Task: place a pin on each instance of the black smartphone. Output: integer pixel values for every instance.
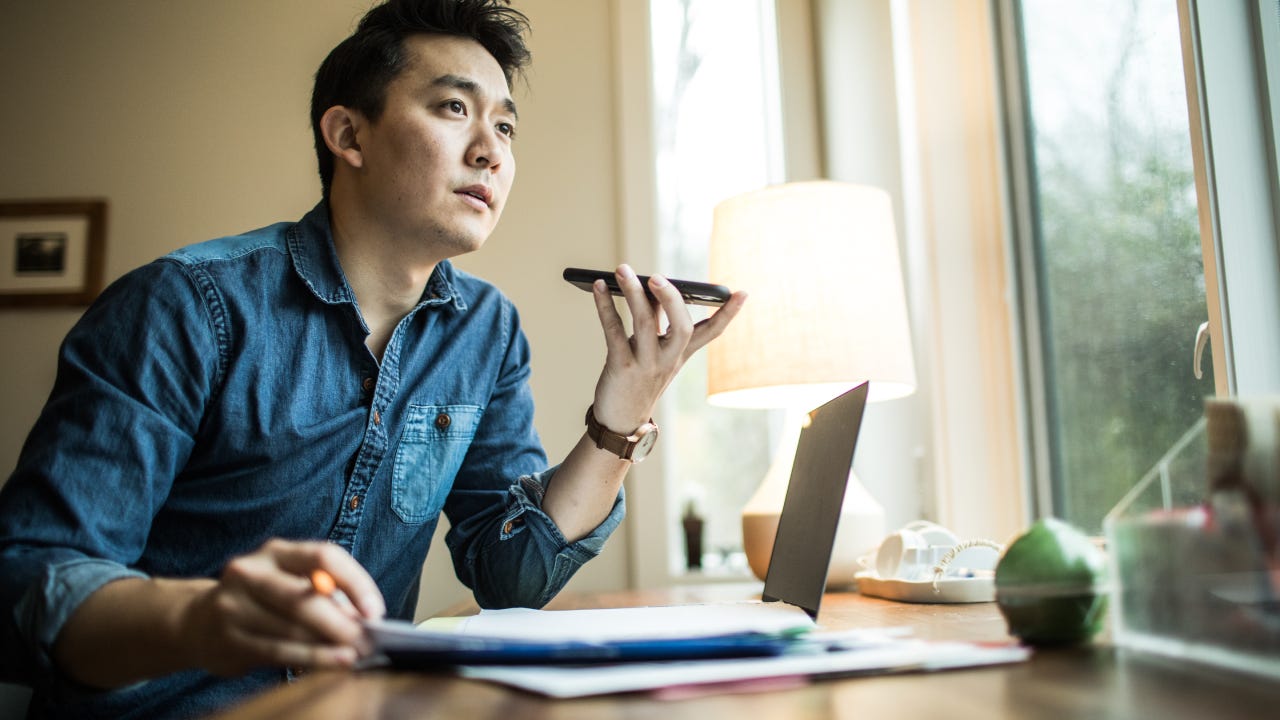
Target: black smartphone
(694, 293)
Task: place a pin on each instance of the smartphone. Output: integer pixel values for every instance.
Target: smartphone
(694, 293)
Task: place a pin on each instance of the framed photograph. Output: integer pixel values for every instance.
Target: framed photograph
(51, 252)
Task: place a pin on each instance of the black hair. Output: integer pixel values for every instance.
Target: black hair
(357, 72)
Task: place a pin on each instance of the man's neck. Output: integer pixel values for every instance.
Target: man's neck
(387, 278)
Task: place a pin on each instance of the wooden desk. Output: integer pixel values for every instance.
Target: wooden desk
(1093, 682)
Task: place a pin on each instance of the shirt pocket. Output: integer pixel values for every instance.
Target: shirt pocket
(432, 445)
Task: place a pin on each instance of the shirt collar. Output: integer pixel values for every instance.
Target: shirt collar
(441, 288)
(315, 259)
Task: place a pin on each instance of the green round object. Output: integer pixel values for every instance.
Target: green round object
(1049, 585)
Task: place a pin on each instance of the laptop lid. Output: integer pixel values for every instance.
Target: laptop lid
(807, 528)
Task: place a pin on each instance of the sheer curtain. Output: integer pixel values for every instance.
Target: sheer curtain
(909, 104)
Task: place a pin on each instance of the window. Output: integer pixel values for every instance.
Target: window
(1119, 289)
(717, 135)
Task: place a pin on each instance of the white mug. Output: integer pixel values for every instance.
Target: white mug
(912, 552)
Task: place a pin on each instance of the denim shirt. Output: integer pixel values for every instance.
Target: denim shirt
(224, 395)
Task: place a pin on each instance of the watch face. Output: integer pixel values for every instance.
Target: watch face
(645, 442)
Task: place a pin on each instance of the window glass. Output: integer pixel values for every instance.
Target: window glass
(1117, 246)
(716, 128)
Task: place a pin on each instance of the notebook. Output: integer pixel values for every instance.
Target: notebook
(793, 589)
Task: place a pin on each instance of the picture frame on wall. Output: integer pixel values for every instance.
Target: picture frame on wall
(51, 252)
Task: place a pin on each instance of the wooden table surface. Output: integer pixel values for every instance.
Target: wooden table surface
(1095, 681)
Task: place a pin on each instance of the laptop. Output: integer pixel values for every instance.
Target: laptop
(793, 588)
(811, 512)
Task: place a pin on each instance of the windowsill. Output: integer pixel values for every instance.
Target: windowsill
(703, 576)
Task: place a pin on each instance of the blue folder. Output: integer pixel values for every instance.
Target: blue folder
(407, 647)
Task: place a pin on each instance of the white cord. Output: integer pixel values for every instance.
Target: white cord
(941, 567)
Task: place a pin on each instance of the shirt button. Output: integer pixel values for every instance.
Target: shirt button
(367, 384)
(443, 420)
(377, 418)
(355, 502)
(507, 528)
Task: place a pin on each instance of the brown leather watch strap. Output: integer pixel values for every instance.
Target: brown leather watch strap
(634, 447)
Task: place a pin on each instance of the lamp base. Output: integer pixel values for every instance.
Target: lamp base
(758, 533)
(861, 529)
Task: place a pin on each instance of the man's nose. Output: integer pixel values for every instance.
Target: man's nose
(486, 150)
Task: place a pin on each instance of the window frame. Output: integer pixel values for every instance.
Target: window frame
(1021, 207)
(651, 537)
(649, 540)
(1231, 64)
(1231, 61)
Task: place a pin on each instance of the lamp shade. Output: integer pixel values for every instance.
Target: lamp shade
(827, 308)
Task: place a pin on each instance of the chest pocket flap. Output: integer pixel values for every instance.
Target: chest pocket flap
(432, 445)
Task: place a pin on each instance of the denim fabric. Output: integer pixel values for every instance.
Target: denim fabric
(223, 395)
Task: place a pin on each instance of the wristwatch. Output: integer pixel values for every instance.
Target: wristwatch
(634, 447)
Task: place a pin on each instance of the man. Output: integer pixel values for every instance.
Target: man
(310, 396)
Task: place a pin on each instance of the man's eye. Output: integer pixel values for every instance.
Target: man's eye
(507, 129)
(456, 106)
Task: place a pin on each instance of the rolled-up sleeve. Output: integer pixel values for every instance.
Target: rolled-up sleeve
(48, 603)
(504, 546)
(133, 377)
(519, 558)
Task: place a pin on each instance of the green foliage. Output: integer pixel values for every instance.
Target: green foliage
(1122, 293)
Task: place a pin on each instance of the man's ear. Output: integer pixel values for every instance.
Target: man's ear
(340, 127)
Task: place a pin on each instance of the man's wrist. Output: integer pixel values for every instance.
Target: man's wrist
(184, 626)
(633, 446)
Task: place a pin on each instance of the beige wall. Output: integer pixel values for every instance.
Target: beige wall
(190, 118)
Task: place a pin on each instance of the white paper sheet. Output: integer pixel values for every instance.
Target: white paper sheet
(890, 656)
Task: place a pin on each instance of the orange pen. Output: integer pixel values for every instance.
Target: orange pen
(324, 584)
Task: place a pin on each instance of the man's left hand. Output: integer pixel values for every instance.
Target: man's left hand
(639, 368)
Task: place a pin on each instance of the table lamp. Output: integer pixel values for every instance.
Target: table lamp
(826, 311)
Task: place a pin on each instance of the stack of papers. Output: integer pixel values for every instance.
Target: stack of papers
(576, 653)
(524, 636)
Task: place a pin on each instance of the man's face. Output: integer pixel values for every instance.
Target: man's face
(438, 163)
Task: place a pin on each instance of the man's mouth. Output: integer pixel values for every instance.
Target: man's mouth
(481, 193)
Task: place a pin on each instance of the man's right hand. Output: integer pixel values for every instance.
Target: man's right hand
(262, 612)
(265, 612)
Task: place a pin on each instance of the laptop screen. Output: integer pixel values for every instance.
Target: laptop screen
(807, 529)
